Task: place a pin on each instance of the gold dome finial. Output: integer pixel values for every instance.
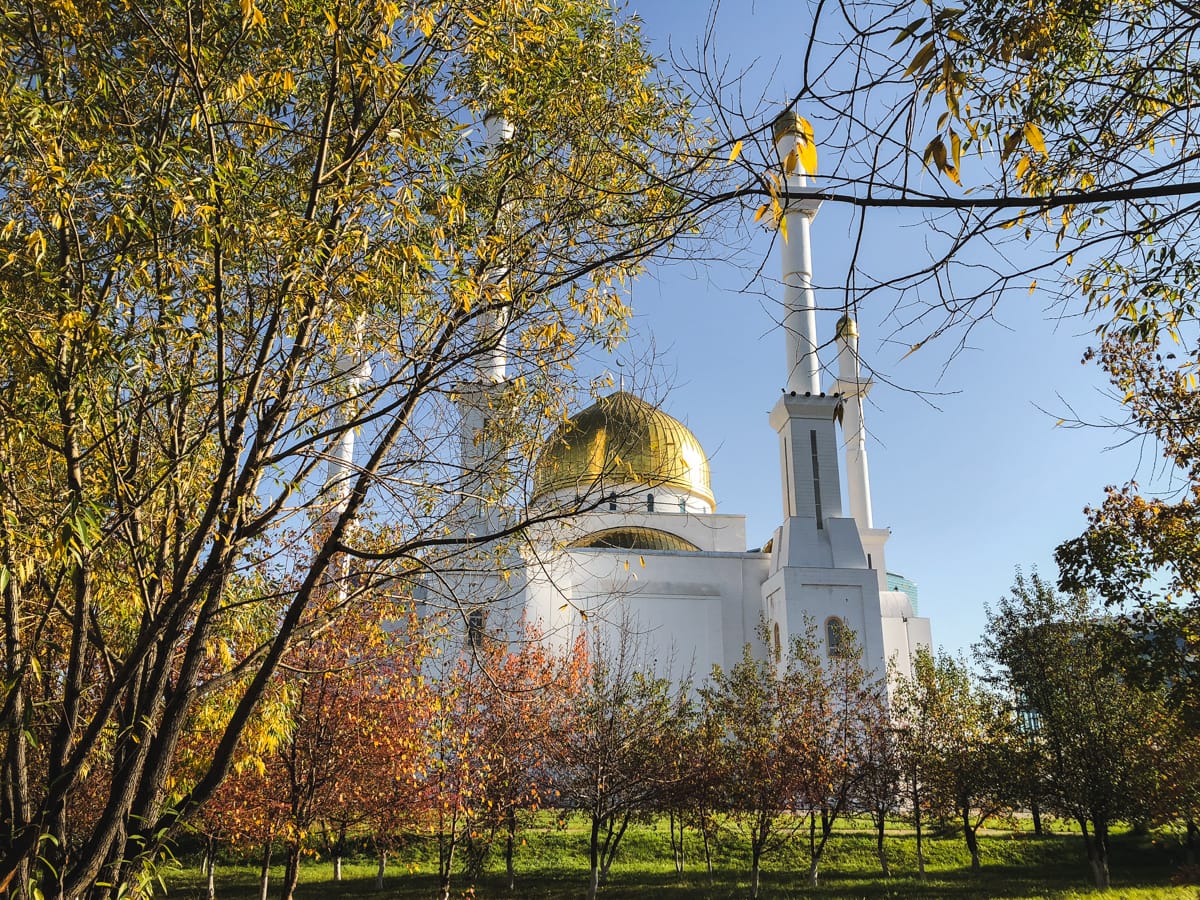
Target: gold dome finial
(847, 327)
(786, 123)
(621, 440)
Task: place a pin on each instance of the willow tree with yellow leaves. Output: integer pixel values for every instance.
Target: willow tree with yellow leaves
(1046, 145)
(239, 241)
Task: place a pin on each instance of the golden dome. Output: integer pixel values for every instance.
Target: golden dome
(846, 327)
(618, 440)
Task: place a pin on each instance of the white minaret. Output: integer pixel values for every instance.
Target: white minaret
(490, 371)
(800, 310)
(853, 389)
(350, 371)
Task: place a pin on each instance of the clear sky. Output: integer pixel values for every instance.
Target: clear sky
(968, 466)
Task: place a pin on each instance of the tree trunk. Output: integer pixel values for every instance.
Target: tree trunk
(447, 842)
(1035, 810)
(755, 857)
(1096, 844)
(676, 840)
(444, 875)
(210, 865)
(612, 841)
(594, 858)
(337, 867)
(972, 841)
(707, 851)
(917, 822)
(264, 874)
(291, 872)
(1193, 838)
(509, 846)
(382, 868)
(880, 824)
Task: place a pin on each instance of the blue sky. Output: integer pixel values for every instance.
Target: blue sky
(968, 465)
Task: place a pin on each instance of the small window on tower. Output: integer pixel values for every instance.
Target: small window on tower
(475, 620)
(683, 506)
(612, 502)
(838, 639)
(649, 503)
(778, 644)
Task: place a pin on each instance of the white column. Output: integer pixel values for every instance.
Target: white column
(492, 328)
(491, 369)
(853, 390)
(800, 310)
(349, 373)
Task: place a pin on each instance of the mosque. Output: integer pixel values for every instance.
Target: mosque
(651, 558)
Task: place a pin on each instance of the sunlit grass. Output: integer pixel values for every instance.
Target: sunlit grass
(552, 863)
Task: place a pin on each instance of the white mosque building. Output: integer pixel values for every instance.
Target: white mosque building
(654, 559)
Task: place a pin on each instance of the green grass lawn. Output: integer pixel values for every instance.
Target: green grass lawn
(553, 864)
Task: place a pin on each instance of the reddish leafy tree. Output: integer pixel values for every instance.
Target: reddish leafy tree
(526, 689)
(843, 708)
(608, 750)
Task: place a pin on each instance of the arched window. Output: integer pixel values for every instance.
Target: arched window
(683, 505)
(838, 640)
(649, 503)
(778, 644)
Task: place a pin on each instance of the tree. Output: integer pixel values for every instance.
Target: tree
(1099, 733)
(849, 710)
(1042, 146)
(526, 690)
(968, 747)
(880, 787)
(607, 749)
(1139, 552)
(792, 735)
(242, 242)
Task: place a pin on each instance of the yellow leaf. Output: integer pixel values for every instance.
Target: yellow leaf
(1033, 135)
(762, 210)
(808, 156)
(924, 55)
(736, 151)
(783, 228)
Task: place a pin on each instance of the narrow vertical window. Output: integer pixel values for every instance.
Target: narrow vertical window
(816, 479)
(612, 502)
(475, 629)
(649, 503)
(787, 476)
(778, 644)
(683, 506)
(836, 639)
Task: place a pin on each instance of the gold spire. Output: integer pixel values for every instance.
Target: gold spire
(847, 327)
(621, 440)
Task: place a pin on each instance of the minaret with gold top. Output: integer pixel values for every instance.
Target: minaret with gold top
(820, 570)
(853, 391)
